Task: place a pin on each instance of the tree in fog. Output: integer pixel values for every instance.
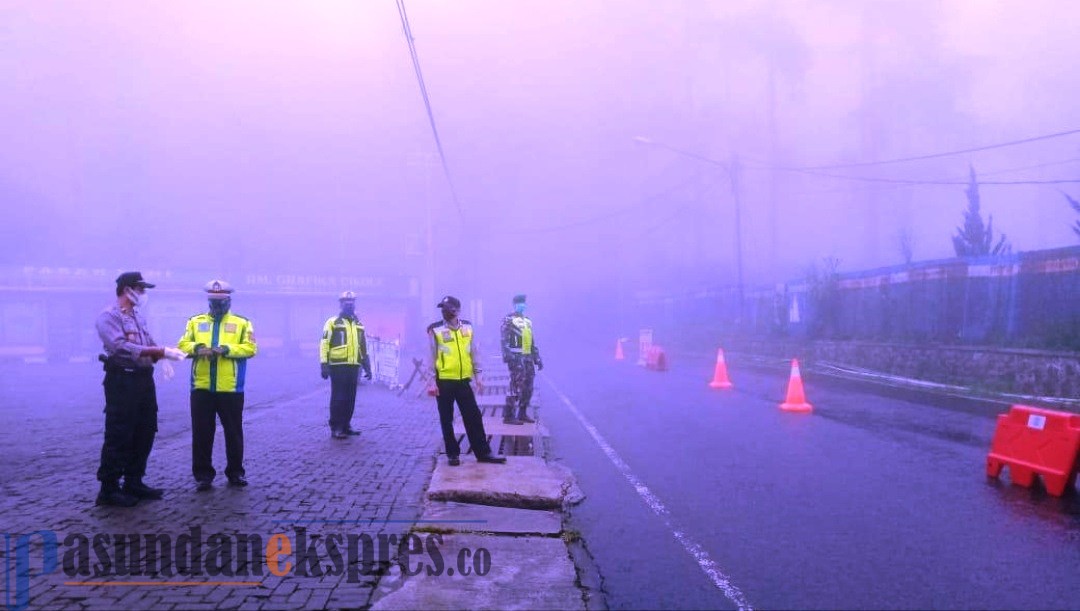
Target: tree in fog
(973, 238)
(824, 284)
(1075, 206)
(905, 240)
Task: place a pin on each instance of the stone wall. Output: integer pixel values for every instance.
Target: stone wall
(1027, 372)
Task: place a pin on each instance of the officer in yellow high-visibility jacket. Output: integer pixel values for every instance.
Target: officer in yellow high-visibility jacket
(219, 343)
(342, 353)
(453, 355)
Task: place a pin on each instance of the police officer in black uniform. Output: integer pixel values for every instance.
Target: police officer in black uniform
(130, 396)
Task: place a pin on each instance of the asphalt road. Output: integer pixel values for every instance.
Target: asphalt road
(701, 498)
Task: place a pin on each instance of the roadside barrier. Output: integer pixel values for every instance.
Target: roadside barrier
(1034, 441)
(656, 358)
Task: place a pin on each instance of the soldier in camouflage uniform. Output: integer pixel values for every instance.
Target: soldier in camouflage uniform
(521, 355)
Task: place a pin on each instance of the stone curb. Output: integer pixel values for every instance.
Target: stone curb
(516, 512)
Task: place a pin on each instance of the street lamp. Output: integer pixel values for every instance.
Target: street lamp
(731, 169)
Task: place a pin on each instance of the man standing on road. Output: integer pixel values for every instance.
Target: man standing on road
(130, 395)
(342, 353)
(453, 358)
(220, 343)
(521, 355)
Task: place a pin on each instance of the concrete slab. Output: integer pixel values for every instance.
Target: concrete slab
(525, 573)
(495, 426)
(463, 518)
(500, 400)
(526, 482)
(489, 400)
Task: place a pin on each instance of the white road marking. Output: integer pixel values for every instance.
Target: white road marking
(708, 566)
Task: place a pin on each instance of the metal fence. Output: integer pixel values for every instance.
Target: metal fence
(1029, 299)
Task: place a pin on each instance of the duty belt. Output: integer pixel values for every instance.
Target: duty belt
(110, 366)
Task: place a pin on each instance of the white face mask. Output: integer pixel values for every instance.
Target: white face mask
(137, 299)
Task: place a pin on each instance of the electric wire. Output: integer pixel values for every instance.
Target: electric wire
(838, 166)
(905, 181)
(411, 42)
(612, 214)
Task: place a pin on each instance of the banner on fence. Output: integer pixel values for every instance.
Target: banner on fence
(644, 343)
(385, 361)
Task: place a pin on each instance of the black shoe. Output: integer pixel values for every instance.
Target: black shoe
(139, 490)
(203, 485)
(115, 497)
(491, 458)
(351, 432)
(238, 481)
(453, 461)
(525, 419)
(512, 421)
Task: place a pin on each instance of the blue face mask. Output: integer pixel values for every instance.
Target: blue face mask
(348, 308)
(218, 307)
(519, 308)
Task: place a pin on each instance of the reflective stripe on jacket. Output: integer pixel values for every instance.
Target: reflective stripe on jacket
(344, 342)
(517, 336)
(224, 373)
(453, 350)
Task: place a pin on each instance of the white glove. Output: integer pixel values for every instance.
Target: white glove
(174, 355)
(165, 369)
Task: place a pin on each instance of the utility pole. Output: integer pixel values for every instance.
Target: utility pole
(732, 168)
(424, 163)
(871, 128)
(733, 178)
(774, 161)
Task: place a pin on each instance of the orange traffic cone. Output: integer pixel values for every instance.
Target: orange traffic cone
(618, 350)
(796, 399)
(720, 377)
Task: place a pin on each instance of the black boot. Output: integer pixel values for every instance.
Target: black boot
(508, 413)
(134, 486)
(112, 495)
(523, 416)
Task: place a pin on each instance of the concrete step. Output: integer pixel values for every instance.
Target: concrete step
(524, 482)
(524, 573)
(464, 518)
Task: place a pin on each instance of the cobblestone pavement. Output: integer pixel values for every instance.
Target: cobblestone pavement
(304, 485)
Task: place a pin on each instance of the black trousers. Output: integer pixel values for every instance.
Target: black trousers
(130, 424)
(522, 375)
(343, 380)
(229, 408)
(461, 392)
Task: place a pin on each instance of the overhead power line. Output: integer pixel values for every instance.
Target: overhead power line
(1030, 167)
(904, 181)
(635, 207)
(976, 149)
(427, 101)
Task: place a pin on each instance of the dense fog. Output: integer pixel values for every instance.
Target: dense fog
(589, 146)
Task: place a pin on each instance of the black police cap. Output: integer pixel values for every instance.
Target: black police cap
(449, 301)
(132, 279)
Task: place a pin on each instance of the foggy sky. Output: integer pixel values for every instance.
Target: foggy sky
(277, 135)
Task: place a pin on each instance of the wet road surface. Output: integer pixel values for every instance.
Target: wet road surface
(707, 498)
